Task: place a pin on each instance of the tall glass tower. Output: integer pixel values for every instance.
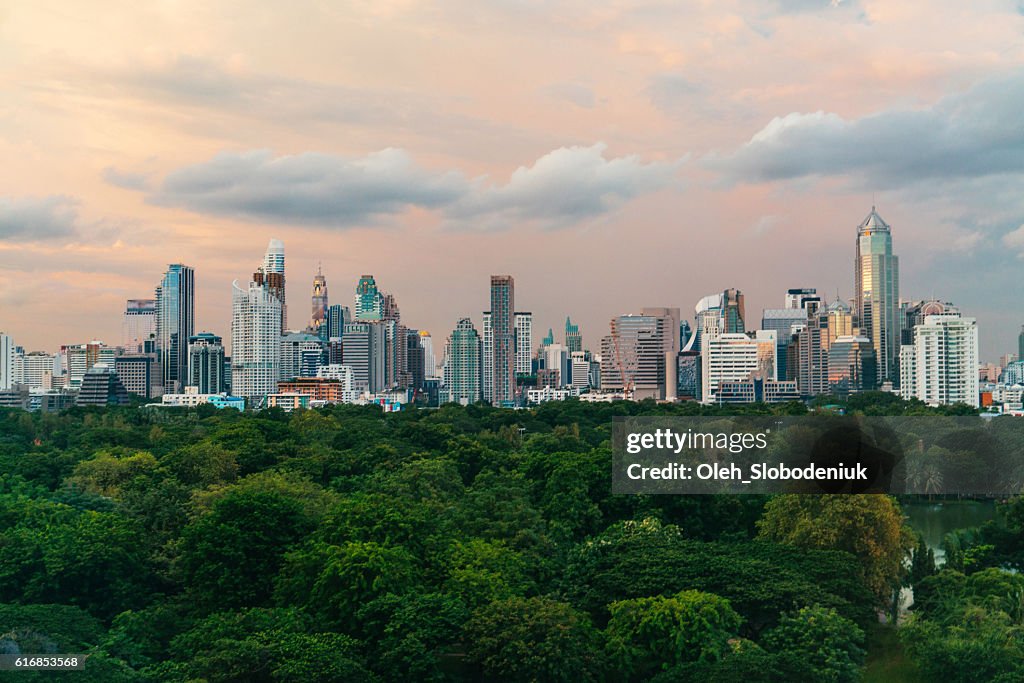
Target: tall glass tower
(877, 292)
(175, 323)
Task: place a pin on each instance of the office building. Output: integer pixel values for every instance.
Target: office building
(579, 370)
(757, 389)
(429, 356)
(415, 359)
(1020, 344)
(852, 366)
(636, 356)
(462, 367)
(573, 338)
(337, 316)
(301, 355)
(139, 373)
(733, 311)
(503, 340)
(369, 303)
(363, 349)
(941, 366)
(342, 374)
(6, 361)
(840, 322)
(812, 352)
(796, 298)
(175, 323)
(37, 371)
(206, 363)
(101, 387)
(139, 325)
(877, 293)
(786, 322)
(734, 357)
(255, 340)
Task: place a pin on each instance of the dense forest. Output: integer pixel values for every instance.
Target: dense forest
(460, 544)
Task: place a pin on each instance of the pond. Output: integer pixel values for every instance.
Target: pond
(936, 519)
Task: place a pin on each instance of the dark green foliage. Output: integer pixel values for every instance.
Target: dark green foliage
(457, 544)
(534, 639)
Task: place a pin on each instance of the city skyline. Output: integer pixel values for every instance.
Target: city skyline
(757, 133)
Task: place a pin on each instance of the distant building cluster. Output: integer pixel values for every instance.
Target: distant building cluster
(365, 354)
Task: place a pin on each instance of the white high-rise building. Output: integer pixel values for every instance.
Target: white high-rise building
(524, 343)
(6, 361)
(940, 367)
(255, 340)
(37, 371)
(487, 360)
(580, 364)
(429, 357)
(139, 324)
(733, 357)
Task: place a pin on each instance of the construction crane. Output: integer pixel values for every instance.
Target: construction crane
(627, 385)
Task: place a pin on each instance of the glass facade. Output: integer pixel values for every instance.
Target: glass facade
(877, 292)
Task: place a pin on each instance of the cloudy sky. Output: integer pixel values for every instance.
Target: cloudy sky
(609, 155)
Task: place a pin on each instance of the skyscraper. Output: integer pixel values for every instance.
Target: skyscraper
(206, 363)
(877, 293)
(337, 316)
(255, 340)
(139, 324)
(1020, 344)
(503, 306)
(368, 300)
(462, 364)
(271, 274)
(812, 352)
(573, 338)
(732, 311)
(363, 350)
(524, 343)
(941, 366)
(429, 357)
(6, 361)
(301, 355)
(175, 323)
(319, 317)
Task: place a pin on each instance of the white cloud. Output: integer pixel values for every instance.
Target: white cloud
(32, 219)
(559, 189)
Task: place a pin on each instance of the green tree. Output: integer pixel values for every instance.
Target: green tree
(648, 635)
(534, 639)
(869, 526)
(820, 640)
(332, 582)
(231, 555)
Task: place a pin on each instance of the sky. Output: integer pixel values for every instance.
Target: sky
(608, 155)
